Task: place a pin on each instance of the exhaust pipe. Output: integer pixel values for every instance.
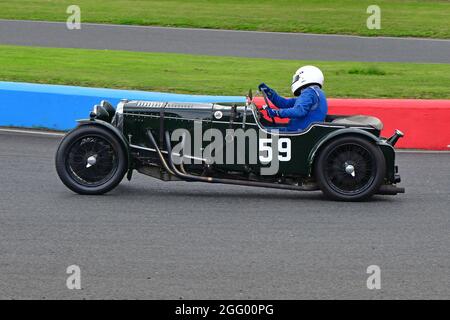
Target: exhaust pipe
(193, 178)
(390, 190)
(397, 135)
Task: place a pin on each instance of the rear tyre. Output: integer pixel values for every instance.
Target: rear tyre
(350, 169)
(91, 160)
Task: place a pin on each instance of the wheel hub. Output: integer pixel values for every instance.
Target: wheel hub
(91, 161)
(350, 169)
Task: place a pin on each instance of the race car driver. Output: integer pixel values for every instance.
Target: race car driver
(309, 105)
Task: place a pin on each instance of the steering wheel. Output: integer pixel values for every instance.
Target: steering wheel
(267, 104)
(259, 113)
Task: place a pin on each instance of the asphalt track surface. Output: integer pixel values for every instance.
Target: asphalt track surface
(156, 240)
(225, 43)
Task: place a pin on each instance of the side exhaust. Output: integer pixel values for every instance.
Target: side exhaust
(183, 175)
(395, 137)
(389, 189)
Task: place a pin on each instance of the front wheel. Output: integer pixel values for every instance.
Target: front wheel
(350, 169)
(91, 160)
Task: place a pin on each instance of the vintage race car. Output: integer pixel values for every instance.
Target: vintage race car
(229, 143)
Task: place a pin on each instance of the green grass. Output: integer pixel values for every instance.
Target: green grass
(216, 75)
(425, 18)
(370, 71)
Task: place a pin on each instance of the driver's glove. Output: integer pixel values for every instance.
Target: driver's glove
(268, 91)
(273, 112)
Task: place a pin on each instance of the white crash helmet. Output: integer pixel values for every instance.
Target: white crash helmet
(306, 75)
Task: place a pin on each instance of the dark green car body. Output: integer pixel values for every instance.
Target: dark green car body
(144, 127)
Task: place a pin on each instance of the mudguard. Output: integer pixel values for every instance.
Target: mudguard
(114, 130)
(334, 134)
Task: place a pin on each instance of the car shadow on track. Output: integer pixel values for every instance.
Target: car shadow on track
(200, 192)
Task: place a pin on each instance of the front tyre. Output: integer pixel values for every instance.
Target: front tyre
(350, 169)
(91, 160)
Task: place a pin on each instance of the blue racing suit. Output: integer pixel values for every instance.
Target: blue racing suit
(310, 106)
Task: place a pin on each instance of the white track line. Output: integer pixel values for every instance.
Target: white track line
(422, 151)
(33, 132)
(61, 134)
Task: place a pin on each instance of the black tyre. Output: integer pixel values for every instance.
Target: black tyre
(91, 160)
(350, 169)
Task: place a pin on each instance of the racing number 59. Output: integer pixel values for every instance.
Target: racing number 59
(284, 149)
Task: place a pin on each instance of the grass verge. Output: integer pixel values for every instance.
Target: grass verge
(195, 74)
(398, 17)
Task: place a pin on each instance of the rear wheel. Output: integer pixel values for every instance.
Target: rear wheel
(350, 169)
(91, 160)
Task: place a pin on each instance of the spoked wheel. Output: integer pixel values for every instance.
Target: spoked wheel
(91, 160)
(350, 168)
